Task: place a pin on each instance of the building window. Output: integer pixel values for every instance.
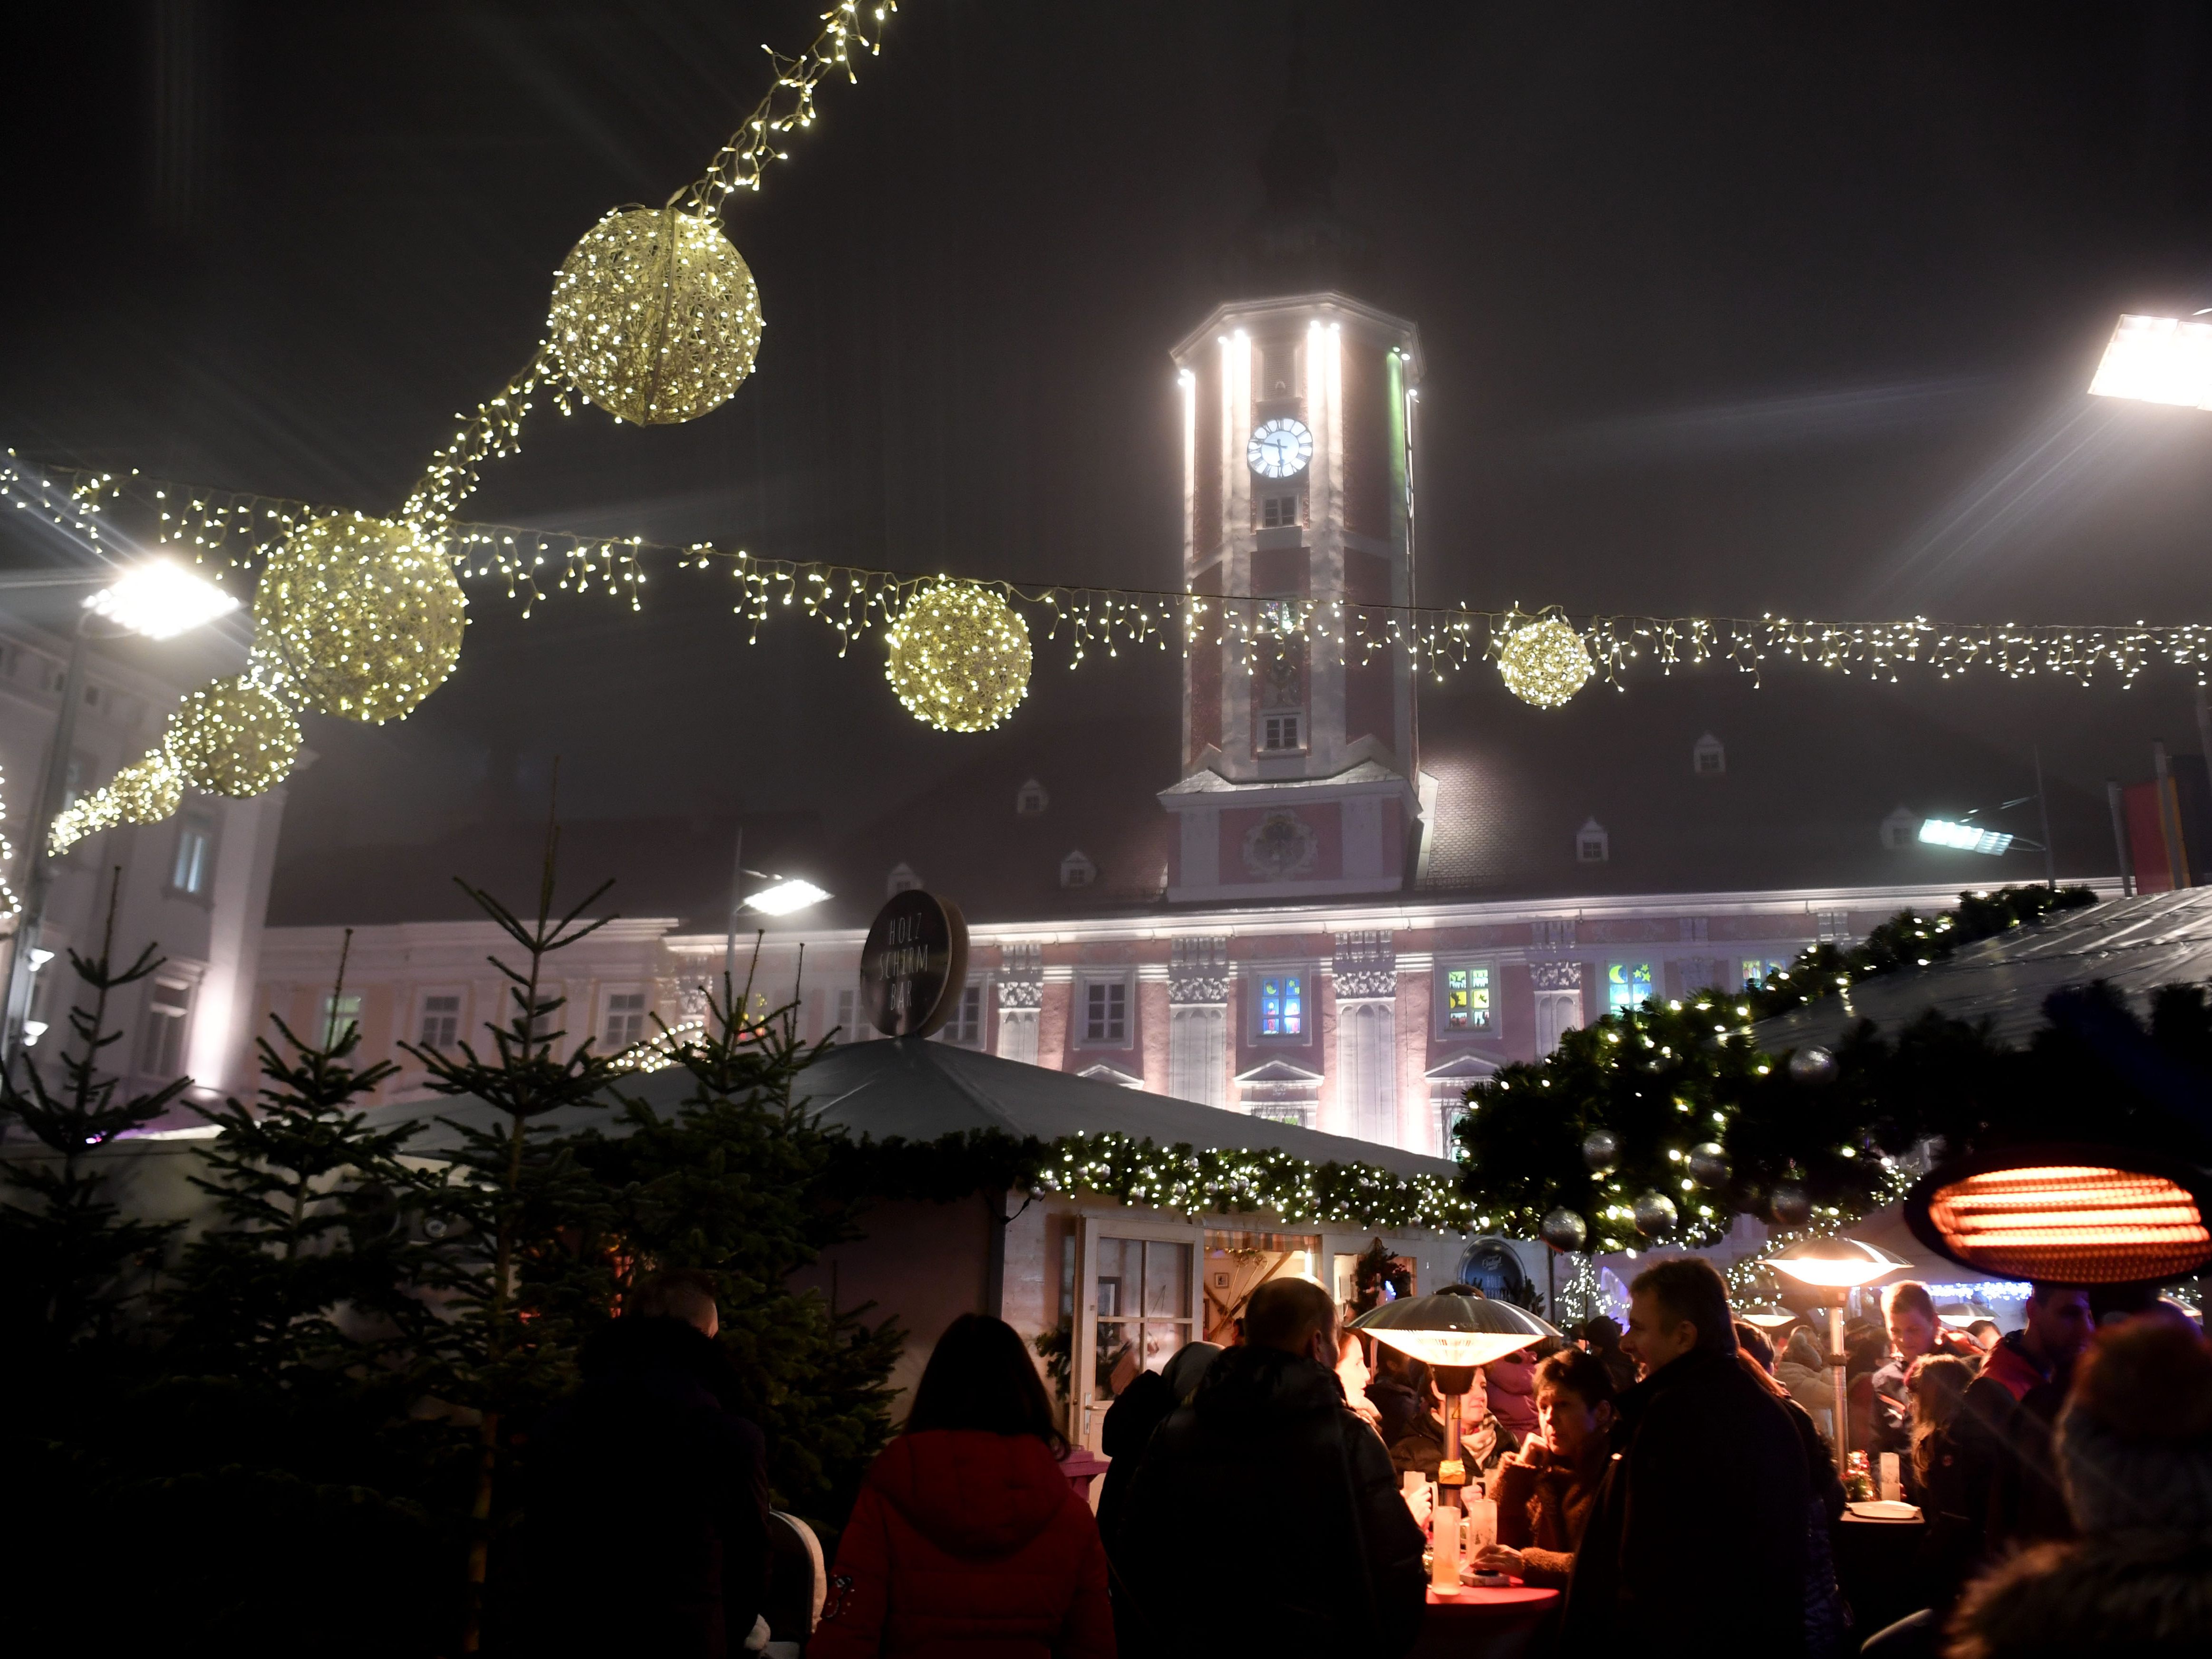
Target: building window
(965, 1028)
(1901, 829)
(1198, 1054)
(1030, 800)
(1468, 1005)
(162, 1040)
(1627, 985)
(1835, 927)
(1757, 971)
(1077, 870)
(1106, 1011)
(338, 1014)
(1278, 513)
(1592, 844)
(902, 880)
(1283, 731)
(1282, 1005)
(625, 1021)
(193, 870)
(1017, 1035)
(441, 1024)
(1708, 759)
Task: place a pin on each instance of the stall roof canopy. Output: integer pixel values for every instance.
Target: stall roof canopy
(2134, 944)
(920, 1092)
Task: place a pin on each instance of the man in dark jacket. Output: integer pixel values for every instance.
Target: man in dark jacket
(2004, 1426)
(1697, 1542)
(645, 1527)
(1267, 1438)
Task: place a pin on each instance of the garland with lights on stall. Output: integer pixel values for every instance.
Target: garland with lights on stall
(1662, 1123)
(1186, 1180)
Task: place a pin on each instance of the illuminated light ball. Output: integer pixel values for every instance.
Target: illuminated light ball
(1812, 1065)
(1599, 1148)
(1790, 1206)
(959, 657)
(1564, 1230)
(233, 736)
(359, 618)
(655, 316)
(1654, 1215)
(147, 790)
(1708, 1164)
(1544, 662)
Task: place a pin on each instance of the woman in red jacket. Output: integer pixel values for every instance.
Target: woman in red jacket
(968, 1539)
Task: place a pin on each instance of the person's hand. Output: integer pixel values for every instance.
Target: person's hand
(1499, 1558)
(1422, 1502)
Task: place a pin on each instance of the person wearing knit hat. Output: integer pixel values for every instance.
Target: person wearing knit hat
(2134, 1450)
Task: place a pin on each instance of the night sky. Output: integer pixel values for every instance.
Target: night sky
(1725, 309)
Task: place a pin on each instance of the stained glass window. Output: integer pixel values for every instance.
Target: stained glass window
(1282, 1006)
(1627, 985)
(1466, 999)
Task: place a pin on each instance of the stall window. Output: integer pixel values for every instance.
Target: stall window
(1143, 1309)
(1468, 1004)
(1237, 1264)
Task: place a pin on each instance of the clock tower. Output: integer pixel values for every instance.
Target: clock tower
(1299, 761)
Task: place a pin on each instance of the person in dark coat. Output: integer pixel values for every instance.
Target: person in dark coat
(2004, 1425)
(646, 1515)
(2134, 1452)
(1266, 1442)
(1696, 1543)
(1908, 1313)
(968, 1537)
(1602, 1337)
(1130, 1421)
(1396, 1390)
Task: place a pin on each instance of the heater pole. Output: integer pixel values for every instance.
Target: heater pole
(1840, 1362)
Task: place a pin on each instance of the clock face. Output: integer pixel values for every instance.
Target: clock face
(1280, 448)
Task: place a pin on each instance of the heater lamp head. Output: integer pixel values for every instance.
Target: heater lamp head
(1452, 1329)
(2066, 1214)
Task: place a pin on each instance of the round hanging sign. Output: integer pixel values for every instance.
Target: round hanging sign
(914, 964)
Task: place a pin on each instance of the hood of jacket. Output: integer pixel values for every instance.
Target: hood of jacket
(2009, 1367)
(975, 1494)
(1515, 1374)
(1258, 1387)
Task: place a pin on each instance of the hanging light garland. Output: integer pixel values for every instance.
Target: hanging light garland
(1542, 659)
(147, 791)
(356, 618)
(958, 656)
(9, 904)
(233, 736)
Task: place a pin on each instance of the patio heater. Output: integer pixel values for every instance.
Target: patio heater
(1835, 1267)
(1452, 1332)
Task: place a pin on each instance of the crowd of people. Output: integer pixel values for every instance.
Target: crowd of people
(1676, 1481)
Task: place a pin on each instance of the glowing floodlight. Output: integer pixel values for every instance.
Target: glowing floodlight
(1964, 837)
(786, 896)
(160, 600)
(2158, 360)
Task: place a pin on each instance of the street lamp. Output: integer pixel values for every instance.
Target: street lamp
(1452, 1333)
(156, 598)
(1835, 1267)
(790, 893)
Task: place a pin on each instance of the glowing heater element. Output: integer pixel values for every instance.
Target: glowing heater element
(2158, 360)
(2072, 1224)
(160, 600)
(1965, 837)
(786, 896)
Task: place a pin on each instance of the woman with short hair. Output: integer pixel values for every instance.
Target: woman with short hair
(1545, 1493)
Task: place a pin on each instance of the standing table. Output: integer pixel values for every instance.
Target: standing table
(1488, 1624)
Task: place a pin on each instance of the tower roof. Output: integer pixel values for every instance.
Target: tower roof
(1298, 241)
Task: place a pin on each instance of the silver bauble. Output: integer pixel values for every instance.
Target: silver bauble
(1655, 1214)
(1708, 1164)
(1790, 1208)
(1812, 1065)
(1564, 1230)
(1599, 1148)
